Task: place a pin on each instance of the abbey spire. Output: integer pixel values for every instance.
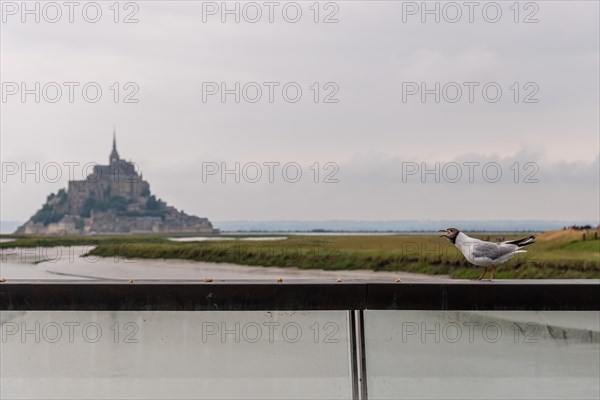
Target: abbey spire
(114, 156)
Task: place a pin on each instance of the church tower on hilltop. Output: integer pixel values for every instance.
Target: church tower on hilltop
(114, 156)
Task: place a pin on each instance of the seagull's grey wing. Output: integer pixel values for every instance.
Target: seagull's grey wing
(492, 251)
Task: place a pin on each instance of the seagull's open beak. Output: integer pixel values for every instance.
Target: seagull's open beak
(445, 232)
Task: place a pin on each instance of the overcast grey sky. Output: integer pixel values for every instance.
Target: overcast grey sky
(374, 136)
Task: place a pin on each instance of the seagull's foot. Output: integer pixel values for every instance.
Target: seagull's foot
(493, 272)
(482, 275)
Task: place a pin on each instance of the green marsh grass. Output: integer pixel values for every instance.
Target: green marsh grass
(556, 254)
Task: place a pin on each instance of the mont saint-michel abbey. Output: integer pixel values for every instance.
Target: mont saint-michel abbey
(114, 198)
(118, 178)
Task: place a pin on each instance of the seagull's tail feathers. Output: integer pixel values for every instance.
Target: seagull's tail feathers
(522, 242)
(510, 255)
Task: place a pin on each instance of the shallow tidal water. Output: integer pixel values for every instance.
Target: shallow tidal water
(71, 263)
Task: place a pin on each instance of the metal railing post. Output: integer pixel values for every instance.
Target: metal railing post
(358, 364)
(352, 350)
(361, 356)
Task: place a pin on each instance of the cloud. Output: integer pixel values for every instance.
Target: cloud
(369, 132)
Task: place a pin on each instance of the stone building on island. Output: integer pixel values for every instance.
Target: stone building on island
(114, 198)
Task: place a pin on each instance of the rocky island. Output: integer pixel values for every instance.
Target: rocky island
(113, 199)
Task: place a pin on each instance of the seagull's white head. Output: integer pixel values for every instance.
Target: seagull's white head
(450, 234)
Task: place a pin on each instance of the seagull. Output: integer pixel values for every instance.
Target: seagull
(484, 254)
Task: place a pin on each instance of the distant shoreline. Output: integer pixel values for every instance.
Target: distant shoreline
(373, 226)
(267, 233)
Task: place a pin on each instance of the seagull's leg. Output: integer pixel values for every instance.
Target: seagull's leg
(493, 270)
(482, 274)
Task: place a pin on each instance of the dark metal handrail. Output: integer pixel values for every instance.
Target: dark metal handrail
(152, 295)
